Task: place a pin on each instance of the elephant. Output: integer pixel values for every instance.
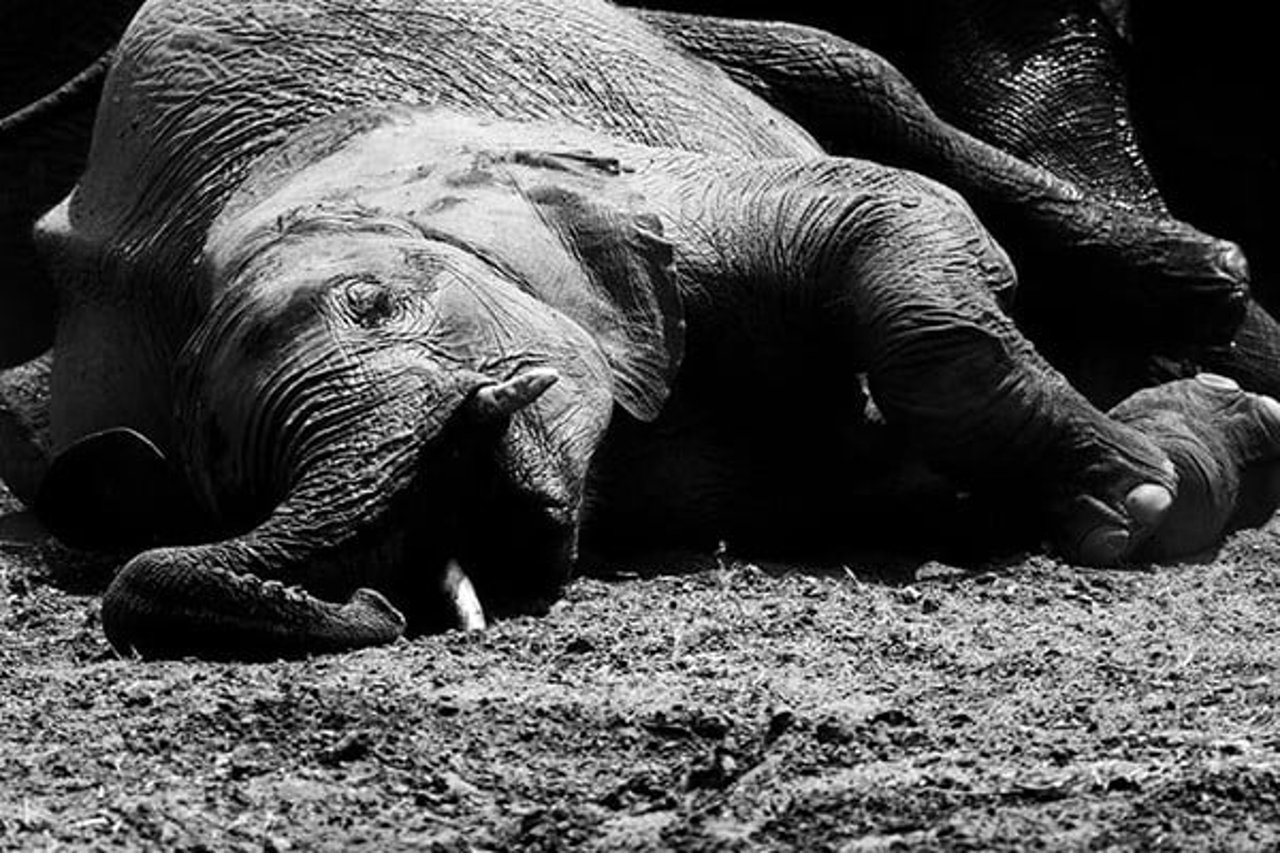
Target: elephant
(371, 316)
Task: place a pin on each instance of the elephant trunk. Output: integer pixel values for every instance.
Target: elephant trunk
(361, 508)
(242, 597)
(275, 591)
(353, 519)
(198, 601)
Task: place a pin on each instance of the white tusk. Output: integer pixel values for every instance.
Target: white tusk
(503, 399)
(462, 595)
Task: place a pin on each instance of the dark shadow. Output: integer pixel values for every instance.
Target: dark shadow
(963, 539)
(21, 528)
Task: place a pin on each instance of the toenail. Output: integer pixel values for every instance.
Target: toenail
(1215, 380)
(1147, 505)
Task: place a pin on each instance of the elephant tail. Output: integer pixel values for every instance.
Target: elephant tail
(42, 152)
(80, 91)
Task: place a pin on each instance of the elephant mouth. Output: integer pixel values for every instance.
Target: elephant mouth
(449, 552)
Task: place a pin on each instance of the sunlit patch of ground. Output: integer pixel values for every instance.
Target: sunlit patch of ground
(1018, 705)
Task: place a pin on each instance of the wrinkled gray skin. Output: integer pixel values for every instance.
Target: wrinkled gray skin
(596, 290)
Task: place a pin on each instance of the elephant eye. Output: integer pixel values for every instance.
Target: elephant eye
(368, 301)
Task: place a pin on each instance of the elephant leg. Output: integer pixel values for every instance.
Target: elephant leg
(1129, 273)
(904, 283)
(1225, 443)
(54, 56)
(1046, 82)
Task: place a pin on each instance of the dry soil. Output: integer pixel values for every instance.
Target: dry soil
(716, 704)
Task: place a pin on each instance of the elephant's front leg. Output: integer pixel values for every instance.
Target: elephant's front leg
(905, 279)
(1225, 444)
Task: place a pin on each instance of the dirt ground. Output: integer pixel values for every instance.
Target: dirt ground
(728, 706)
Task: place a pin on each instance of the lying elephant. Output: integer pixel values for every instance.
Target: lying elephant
(415, 296)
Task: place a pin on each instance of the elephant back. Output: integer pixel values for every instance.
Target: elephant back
(202, 89)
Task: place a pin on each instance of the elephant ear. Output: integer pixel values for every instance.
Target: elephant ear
(571, 230)
(113, 490)
(631, 304)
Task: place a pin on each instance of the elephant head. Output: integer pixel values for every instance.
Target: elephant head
(412, 349)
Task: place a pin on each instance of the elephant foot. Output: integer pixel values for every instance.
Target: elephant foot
(1224, 446)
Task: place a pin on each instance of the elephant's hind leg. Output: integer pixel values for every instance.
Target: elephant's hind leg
(42, 151)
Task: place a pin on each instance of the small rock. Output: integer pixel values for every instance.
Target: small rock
(832, 731)
(893, 717)
(456, 786)
(780, 721)
(710, 726)
(908, 595)
(717, 773)
(136, 695)
(352, 746)
(1230, 747)
(935, 571)
(1122, 784)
